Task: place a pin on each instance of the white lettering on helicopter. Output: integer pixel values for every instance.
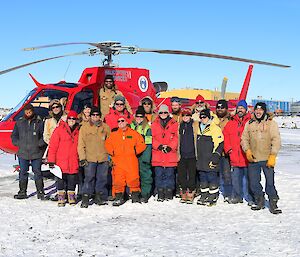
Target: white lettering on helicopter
(143, 83)
(119, 75)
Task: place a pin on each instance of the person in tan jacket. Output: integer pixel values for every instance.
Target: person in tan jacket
(94, 158)
(107, 95)
(261, 143)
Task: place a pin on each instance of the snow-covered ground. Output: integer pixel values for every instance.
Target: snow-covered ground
(34, 228)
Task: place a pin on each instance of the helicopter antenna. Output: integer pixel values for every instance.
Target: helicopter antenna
(64, 78)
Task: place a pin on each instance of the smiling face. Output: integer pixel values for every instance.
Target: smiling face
(259, 112)
(108, 83)
(139, 118)
(175, 106)
(28, 113)
(71, 121)
(147, 107)
(241, 111)
(56, 109)
(95, 117)
(87, 112)
(186, 118)
(120, 106)
(122, 123)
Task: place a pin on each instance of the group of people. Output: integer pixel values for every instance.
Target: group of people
(111, 154)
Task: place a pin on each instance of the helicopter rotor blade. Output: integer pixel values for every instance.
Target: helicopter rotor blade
(43, 60)
(211, 56)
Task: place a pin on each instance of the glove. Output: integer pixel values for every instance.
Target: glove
(212, 166)
(250, 156)
(215, 159)
(271, 161)
(160, 148)
(168, 149)
(83, 163)
(51, 165)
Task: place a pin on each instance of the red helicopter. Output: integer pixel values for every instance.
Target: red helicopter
(134, 83)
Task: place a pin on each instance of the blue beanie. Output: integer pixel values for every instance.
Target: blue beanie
(242, 103)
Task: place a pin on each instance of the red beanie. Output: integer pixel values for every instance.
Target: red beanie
(72, 114)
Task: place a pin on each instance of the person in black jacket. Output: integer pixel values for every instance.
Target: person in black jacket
(28, 137)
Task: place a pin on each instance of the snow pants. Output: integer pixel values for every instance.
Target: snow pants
(129, 176)
(209, 181)
(146, 178)
(254, 170)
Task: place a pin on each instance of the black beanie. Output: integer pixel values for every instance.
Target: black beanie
(95, 109)
(205, 112)
(28, 107)
(222, 103)
(140, 110)
(261, 105)
(109, 77)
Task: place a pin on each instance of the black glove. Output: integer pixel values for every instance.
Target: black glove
(160, 148)
(51, 165)
(215, 159)
(83, 163)
(168, 149)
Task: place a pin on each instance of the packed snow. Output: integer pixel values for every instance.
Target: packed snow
(34, 228)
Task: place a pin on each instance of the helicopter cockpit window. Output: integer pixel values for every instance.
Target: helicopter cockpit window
(19, 105)
(41, 102)
(81, 99)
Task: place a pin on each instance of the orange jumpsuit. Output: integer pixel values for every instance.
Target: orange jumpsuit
(124, 146)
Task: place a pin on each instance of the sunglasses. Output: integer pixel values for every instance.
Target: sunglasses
(118, 104)
(146, 103)
(139, 116)
(108, 81)
(163, 113)
(199, 102)
(120, 121)
(220, 107)
(95, 114)
(72, 118)
(55, 107)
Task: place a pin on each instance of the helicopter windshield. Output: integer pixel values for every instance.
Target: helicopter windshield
(41, 102)
(19, 105)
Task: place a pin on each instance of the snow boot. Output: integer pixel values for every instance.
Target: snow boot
(259, 203)
(235, 200)
(135, 197)
(226, 199)
(203, 198)
(39, 184)
(61, 198)
(119, 200)
(99, 199)
(213, 195)
(22, 194)
(85, 201)
(160, 194)
(273, 206)
(168, 194)
(71, 197)
(183, 195)
(145, 198)
(190, 196)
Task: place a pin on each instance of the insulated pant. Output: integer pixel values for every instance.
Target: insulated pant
(95, 179)
(24, 168)
(225, 177)
(187, 174)
(67, 182)
(209, 181)
(240, 184)
(165, 177)
(254, 170)
(145, 177)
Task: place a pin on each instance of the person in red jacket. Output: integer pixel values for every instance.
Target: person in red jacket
(164, 152)
(232, 138)
(63, 153)
(117, 111)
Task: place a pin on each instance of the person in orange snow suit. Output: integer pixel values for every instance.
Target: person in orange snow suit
(123, 145)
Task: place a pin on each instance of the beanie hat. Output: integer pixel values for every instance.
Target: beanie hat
(205, 112)
(261, 105)
(72, 114)
(199, 98)
(242, 103)
(109, 77)
(120, 98)
(140, 110)
(222, 103)
(147, 99)
(163, 108)
(95, 109)
(28, 107)
(186, 111)
(54, 101)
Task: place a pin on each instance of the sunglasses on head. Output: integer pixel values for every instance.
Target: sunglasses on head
(95, 114)
(55, 107)
(119, 104)
(120, 121)
(203, 116)
(163, 113)
(72, 118)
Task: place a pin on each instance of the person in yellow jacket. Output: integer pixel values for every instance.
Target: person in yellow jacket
(261, 143)
(107, 96)
(123, 146)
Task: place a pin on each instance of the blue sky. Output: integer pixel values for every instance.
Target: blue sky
(264, 30)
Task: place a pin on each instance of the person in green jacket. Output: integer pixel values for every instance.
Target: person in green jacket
(140, 124)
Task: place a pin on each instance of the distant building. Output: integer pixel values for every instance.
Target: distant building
(295, 107)
(192, 94)
(275, 106)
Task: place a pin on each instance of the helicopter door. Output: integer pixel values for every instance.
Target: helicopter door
(42, 100)
(81, 99)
